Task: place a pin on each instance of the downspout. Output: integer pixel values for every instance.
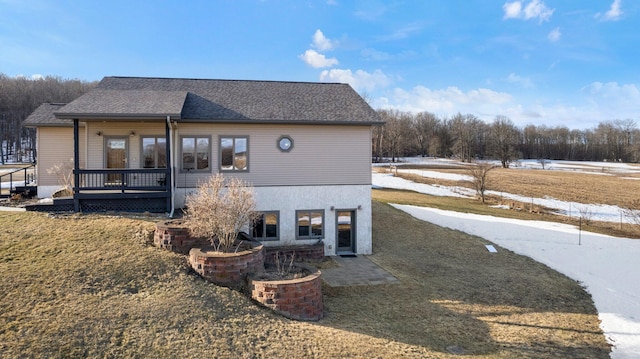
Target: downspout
(172, 159)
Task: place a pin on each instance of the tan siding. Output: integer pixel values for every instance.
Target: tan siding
(321, 155)
(55, 146)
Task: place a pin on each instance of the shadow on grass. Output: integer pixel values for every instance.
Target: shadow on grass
(454, 297)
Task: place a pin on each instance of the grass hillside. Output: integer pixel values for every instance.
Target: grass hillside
(92, 286)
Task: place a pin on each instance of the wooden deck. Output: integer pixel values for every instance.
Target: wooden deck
(14, 176)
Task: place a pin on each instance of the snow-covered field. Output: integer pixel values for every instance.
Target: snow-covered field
(598, 212)
(607, 266)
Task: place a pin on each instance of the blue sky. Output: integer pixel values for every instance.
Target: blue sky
(565, 62)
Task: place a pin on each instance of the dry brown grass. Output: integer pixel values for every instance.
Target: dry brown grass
(503, 306)
(92, 286)
(597, 187)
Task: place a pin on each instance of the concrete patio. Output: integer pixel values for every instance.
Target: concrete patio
(358, 270)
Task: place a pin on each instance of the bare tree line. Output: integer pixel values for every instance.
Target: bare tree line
(405, 133)
(19, 97)
(468, 138)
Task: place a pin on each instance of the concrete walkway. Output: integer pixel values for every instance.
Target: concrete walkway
(11, 209)
(356, 271)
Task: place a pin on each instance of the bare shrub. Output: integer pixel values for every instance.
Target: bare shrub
(284, 263)
(632, 211)
(586, 214)
(219, 209)
(479, 177)
(64, 174)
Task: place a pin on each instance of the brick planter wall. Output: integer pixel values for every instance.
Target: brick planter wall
(299, 299)
(173, 235)
(308, 253)
(227, 269)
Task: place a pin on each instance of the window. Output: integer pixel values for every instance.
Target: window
(154, 152)
(310, 224)
(234, 153)
(195, 153)
(266, 227)
(285, 143)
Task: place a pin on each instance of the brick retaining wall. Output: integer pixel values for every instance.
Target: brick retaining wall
(308, 253)
(299, 299)
(227, 269)
(173, 235)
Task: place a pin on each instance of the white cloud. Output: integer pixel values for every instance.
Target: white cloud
(627, 95)
(375, 55)
(446, 101)
(522, 81)
(360, 80)
(554, 35)
(371, 10)
(601, 102)
(613, 14)
(32, 77)
(512, 10)
(402, 33)
(535, 9)
(321, 43)
(317, 60)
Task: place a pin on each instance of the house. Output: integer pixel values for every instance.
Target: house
(143, 144)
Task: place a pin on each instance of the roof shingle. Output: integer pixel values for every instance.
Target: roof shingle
(43, 116)
(221, 101)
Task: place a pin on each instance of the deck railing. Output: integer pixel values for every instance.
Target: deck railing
(124, 180)
(26, 174)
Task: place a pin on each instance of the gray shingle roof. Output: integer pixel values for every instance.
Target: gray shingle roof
(221, 101)
(43, 116)
(136, 104)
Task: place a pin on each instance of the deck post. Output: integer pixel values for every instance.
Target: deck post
(169, 164)
(76, 166)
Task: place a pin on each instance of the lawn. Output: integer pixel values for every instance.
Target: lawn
(92, 286)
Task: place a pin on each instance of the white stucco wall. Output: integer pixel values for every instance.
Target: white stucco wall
(288, 199)
(47, 191)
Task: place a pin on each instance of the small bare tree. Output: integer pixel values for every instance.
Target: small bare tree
(479, 173)
(543, 162)
(219, 209)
